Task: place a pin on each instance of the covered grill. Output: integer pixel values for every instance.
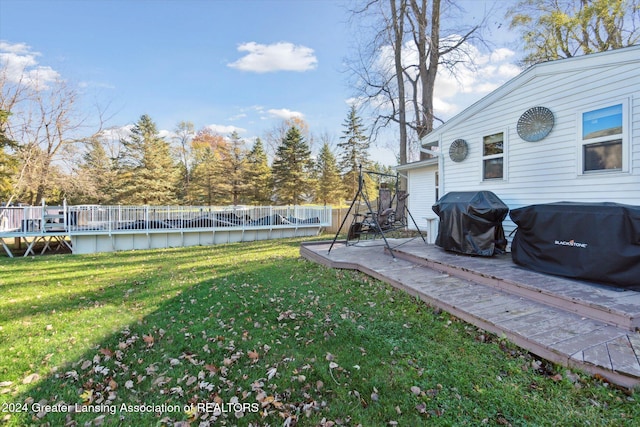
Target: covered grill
(471, 223)
(590, 241)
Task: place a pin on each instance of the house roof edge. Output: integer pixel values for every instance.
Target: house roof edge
(529, 74)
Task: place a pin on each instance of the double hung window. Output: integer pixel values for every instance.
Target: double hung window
(493, 156)
(602, 139)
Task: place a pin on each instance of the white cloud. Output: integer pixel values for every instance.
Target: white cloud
(17, 48)
(166, 134)
(465, 85)
(238, 117)
(502, 54)
(485, 87)
(225, 129)
(509, 70)
(443, 107)
(20, 65)
(285, 114)
(90, 84)
(117, 133)
(474, 74)
(357, 101)
(282, 56)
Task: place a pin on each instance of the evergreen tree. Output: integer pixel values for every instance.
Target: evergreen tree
(386, 177)
(330, 188)
(206, 187)
(99, 172)
(233, 169)
(291, 168)
(257, 175)
(149, 173)
(355, 152)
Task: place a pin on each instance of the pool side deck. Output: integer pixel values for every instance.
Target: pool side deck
(580, 325)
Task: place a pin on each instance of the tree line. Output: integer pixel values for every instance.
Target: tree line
(44, 155)
(202, 167)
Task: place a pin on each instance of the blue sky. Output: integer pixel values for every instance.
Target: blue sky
(240, 65)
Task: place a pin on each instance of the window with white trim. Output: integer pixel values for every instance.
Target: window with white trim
(602, 139)
(493, 156)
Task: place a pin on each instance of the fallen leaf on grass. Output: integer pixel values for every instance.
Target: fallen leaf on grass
(46, 359)
(271, 372)
(107, 352)
(86, 396)
(148, 339)
(30, 379)
(159, 381)
(502, 421)
(253, 355)
(432, 392)
(289, 314)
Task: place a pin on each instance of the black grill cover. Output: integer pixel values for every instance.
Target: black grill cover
(471, 222)
(590, 241)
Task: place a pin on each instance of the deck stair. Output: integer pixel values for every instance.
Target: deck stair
(576, 324)
(616, 307)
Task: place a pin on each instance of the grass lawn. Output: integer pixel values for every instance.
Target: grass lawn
(251, 334)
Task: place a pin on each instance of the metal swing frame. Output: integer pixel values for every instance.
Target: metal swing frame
(376, 222)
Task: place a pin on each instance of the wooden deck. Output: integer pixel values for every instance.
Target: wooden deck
(580, 325)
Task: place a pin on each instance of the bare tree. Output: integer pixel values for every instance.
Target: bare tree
(45, 122)
(398, 15)
(185, 132)
(395, 70)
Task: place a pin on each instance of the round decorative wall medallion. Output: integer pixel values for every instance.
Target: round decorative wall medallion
(458, 150)
(535, 124)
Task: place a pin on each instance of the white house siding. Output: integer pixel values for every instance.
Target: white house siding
(635, 129)
(421, 186)
(548, 170)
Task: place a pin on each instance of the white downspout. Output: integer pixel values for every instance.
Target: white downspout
(439, 154)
